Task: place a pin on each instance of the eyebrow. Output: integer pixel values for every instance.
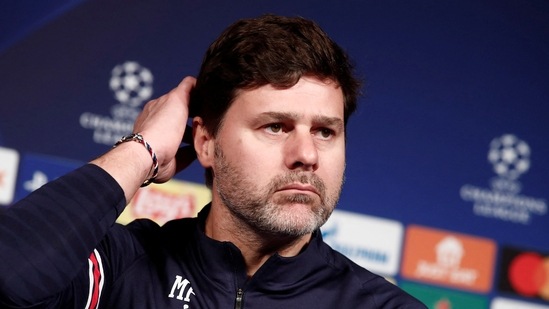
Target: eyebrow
(317, 119)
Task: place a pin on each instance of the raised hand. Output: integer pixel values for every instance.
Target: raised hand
(162, 123)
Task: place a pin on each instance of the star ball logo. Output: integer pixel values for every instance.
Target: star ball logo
(131, 84)
(510, 158)
(524, 273)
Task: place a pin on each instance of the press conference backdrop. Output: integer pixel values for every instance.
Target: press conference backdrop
(447, 176)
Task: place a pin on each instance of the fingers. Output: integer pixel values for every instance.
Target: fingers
(163, 123)
(184, 88)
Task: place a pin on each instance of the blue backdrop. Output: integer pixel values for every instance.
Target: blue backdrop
(451, 132)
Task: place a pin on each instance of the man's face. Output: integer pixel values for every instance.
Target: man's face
(280, 156)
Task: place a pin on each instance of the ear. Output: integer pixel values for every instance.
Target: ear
(203, 143)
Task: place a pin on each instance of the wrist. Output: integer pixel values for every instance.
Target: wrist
(137, 137)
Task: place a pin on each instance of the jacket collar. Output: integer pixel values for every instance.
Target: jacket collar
(223, 261)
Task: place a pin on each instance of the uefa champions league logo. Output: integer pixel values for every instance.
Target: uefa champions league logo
(510, 158)
(131, 83)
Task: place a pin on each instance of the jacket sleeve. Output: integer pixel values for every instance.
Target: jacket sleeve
(46, 239)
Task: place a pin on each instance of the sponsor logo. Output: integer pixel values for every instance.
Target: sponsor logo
(510, 158)
(524, 273)
(371, 242)
(449, 259)
(36, 170)
(131, 84)
(439, 298)
(9, 160)
(161, 203)
(182, 290)
(504, 303)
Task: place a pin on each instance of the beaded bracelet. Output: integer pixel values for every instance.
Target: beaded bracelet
(139, 138)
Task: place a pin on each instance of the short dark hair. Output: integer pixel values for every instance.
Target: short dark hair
(268, 50)
(273, 50)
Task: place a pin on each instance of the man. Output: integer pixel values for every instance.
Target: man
(270, 107)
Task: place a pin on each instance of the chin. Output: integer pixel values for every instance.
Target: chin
(297, 220)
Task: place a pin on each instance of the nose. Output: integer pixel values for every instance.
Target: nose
(301, 151)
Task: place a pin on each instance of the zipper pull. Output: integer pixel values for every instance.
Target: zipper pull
(239, 294)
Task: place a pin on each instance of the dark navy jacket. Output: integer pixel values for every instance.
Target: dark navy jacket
(47, 238)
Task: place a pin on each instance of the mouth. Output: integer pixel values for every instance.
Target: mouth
(299, 188)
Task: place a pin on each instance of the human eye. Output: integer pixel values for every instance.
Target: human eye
(325, 133)
(274, 128)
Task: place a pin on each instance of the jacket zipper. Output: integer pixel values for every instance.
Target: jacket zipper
(239, 294)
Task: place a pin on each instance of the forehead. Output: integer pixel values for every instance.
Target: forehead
(309, 96)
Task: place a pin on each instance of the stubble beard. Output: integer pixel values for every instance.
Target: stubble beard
(271, 215)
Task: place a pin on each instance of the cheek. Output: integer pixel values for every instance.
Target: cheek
(252, 157)
(261, 162)
(333, 168)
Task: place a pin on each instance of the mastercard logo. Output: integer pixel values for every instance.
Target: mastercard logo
(525, 273)
(529, 275)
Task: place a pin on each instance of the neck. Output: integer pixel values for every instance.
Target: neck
(255, 247)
